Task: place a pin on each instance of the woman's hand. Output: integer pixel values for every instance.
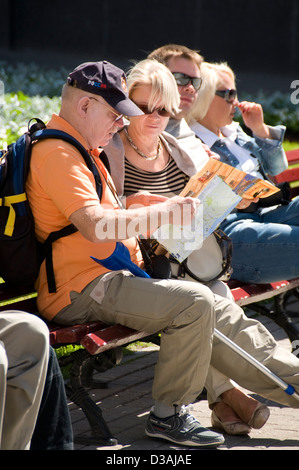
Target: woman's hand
(246, 202)
(253, 117)
(210, 152)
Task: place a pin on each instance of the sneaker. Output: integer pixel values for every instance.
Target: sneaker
(182, 428)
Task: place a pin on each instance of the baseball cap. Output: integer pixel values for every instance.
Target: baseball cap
(106, 80)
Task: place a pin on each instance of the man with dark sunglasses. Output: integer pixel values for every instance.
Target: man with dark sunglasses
(183, 80)
(184, 63)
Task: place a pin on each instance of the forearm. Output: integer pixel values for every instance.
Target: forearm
(123, 224)
(100, 224)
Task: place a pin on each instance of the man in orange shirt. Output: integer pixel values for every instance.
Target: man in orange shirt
(61, 189)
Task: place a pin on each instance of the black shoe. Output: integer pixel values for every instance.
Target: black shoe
(183, 429)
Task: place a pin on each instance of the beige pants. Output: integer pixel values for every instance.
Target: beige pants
(185, 313)
(24, 351)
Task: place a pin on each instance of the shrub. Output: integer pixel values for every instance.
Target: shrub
(34, 91)
(17, 109)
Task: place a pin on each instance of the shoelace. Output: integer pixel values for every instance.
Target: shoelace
(186, 409)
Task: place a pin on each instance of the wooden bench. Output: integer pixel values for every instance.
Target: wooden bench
(102, 343)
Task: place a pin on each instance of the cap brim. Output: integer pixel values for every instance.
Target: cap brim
(126, 107)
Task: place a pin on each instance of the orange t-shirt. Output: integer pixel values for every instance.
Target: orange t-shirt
(58, 184)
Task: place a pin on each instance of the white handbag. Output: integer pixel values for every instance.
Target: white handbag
(210, 262)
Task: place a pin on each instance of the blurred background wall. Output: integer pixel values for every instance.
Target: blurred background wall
(258, 38)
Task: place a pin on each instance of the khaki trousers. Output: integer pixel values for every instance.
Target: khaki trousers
(24, 351)
(185, 313)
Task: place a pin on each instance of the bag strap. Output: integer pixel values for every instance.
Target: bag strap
(56, 134)
(39, 132)
(142, 242)
(48, 253)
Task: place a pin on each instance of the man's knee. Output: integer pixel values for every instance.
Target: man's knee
(201, 304)
(34, 330)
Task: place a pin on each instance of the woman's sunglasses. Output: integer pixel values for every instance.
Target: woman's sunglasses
(161, 111)
(228, 95)
(183, 80)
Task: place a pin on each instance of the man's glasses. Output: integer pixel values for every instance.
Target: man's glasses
(228, 95)
(161, 111)
(118, 116)
(183, 80)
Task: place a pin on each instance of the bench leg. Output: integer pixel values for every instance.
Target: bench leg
(76, 392)
(99, 363)
(279, 315)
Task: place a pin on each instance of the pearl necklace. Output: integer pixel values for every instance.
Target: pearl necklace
(134, 146)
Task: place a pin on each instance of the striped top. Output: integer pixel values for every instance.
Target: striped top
(167, 182)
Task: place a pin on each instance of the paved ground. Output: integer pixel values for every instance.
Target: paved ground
(127, 399)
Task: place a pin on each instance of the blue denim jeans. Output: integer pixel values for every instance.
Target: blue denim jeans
(53, 430)
(265, 243)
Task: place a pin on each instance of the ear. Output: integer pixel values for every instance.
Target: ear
(82, 106)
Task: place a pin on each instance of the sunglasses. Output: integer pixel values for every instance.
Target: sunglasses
(118, 116)
(183, 80)
(161, 111)
(228, 95)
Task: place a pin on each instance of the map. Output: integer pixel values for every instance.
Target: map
(218, 200)
(220, 187)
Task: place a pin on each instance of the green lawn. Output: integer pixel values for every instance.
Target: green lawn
(287, 145)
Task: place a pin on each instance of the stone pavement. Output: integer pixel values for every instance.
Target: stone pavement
(126, 402)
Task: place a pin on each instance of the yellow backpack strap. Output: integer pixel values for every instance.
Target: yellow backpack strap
(8, 201)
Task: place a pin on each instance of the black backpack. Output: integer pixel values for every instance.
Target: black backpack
(20, 253)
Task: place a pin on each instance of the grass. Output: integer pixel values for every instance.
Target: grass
(289, 145)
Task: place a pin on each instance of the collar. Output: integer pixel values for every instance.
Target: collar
(179, 128)
(209, 137)
(231, 131)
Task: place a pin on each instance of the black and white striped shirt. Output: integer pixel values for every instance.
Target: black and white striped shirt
(167, 182)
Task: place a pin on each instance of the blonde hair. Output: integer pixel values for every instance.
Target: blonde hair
(163, 86)
(212, 75)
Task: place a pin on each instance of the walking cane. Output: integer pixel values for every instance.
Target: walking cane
(120, 259)
(281, 383)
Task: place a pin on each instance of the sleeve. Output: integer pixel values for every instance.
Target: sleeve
(272, 155)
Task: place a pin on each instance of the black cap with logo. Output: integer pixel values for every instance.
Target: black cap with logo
(106, 80)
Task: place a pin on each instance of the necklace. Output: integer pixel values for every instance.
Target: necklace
(134, 146)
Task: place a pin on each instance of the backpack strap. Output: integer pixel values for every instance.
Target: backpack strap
(56, 134)
(42, 134)
(48, 256)
(8, 201)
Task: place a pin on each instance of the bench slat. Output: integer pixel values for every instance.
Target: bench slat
(290, 175)
(110, 337)
(245, 294)
(60, 334)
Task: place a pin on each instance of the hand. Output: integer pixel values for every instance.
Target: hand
(253, 117)
(181, 210)
(210, 152)
(246, 202)
(144, 198)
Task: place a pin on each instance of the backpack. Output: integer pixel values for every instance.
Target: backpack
(20, 253)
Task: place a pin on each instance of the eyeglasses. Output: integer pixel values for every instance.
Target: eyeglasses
(228, 95)
(183, 80)
(161, 111)
(118, 116)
